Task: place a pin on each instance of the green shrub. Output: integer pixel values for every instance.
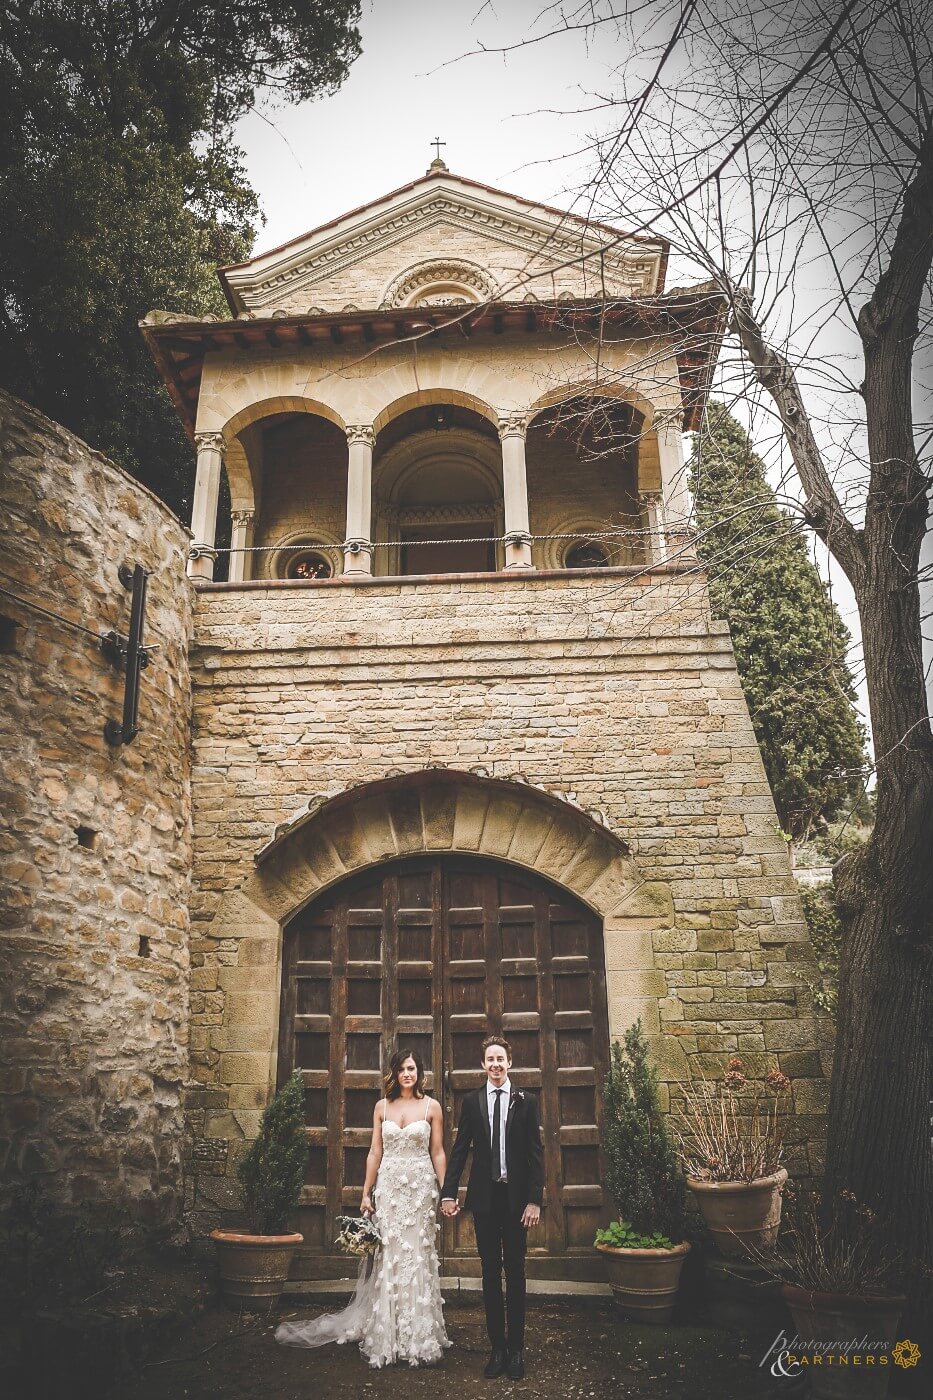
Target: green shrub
(642, 1169)
(819, 906)
(273, 1170)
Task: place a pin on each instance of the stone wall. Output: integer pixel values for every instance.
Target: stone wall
(613, 689)
(96, 841)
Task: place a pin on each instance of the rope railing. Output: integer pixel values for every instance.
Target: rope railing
(514, 536)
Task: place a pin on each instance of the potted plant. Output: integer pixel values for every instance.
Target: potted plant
(732, 1146)
(840, 1280)
(645, 1248)
(254, 1264)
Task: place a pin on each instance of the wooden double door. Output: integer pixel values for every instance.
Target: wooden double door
(433, 954)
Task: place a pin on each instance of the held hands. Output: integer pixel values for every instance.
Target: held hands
(531, 1215)
(450, 1209)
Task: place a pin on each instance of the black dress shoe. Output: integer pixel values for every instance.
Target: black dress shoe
(515, 1366)
(496, 1363)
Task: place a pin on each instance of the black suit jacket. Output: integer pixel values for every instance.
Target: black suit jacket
(524, 1159)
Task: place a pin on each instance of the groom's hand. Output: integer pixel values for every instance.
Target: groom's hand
(531, 1216)
(450, 1208)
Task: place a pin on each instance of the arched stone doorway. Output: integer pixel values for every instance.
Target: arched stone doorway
(432, 953)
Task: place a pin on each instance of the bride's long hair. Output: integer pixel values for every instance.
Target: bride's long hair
(390, 1083)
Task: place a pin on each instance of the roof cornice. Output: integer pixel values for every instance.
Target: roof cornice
(697, 318)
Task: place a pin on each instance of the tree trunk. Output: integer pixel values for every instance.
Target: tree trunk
(878, 1144)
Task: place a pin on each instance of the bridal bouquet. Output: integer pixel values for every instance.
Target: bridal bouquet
(357, 1235)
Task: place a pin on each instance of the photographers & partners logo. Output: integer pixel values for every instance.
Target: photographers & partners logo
(790, 1356)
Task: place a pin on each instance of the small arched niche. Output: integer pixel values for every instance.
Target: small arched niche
(437, 492)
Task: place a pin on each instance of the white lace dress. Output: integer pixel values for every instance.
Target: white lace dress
(396, 1312)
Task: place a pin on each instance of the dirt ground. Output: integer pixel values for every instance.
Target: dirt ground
(575, 1350)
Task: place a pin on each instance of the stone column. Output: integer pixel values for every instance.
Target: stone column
(656, 544)
(210, 448)
(674, 490)
(241, 538)
(512, 430)
(358, 550)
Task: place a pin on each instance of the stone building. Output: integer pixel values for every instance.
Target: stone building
(468, 749)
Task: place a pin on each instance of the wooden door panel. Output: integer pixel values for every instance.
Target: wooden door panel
(434, 954)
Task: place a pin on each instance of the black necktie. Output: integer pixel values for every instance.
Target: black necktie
(497, 1136)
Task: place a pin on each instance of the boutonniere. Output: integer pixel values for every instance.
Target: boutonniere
(516, 1094)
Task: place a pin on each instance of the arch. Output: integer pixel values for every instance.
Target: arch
(581, 390)
(444, 809)
(406, 458)
(243, 488)
(454, 278)
(433, 810)
(321, 541)
(279, 403)
(425, 398)
(587, 525)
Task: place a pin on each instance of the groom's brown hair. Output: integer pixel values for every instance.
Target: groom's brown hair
(496, 1040)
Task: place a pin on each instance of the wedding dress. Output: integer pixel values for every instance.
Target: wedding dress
(396, 1311)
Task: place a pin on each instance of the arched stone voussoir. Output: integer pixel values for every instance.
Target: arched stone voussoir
(444, 809)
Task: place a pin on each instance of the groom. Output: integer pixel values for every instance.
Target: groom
(504, 1194)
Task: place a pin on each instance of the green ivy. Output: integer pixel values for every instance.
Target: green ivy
(789, 639)
(819, 907)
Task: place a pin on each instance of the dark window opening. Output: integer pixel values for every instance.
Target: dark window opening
(143, 945)
(8, 639)
(463, 549)
(587, 555)
(308, 564)
(87, 837)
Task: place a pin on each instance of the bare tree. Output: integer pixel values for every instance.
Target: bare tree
(787, 152)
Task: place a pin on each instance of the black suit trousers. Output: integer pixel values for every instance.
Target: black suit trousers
(502, 1240)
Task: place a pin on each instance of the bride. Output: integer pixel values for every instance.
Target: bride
(395, 1312)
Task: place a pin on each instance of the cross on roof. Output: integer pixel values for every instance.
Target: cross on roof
(437, 143)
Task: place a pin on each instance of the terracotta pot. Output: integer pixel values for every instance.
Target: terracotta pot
(741, 1213)
(839, 1317)
(253, 1268)
(645, 1281)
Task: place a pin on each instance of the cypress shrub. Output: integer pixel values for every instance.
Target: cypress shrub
(642, 1166)
(273, 1171)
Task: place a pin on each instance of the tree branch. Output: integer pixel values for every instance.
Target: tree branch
(822, 509)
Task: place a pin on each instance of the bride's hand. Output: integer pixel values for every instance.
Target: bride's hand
(366, 1205)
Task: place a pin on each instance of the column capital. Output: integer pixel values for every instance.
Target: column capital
(360, 433)
(209, 442)
(242, 517)
(512, 425)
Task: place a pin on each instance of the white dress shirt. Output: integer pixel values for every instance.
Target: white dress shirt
(503, 1115)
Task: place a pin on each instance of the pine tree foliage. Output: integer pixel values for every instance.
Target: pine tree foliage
(273, 1170)
(642, 1167)
(790, 641)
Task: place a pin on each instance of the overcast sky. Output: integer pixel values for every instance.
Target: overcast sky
(313, 162)
(516, 121)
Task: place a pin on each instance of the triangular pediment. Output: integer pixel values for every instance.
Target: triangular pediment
(445, 238)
